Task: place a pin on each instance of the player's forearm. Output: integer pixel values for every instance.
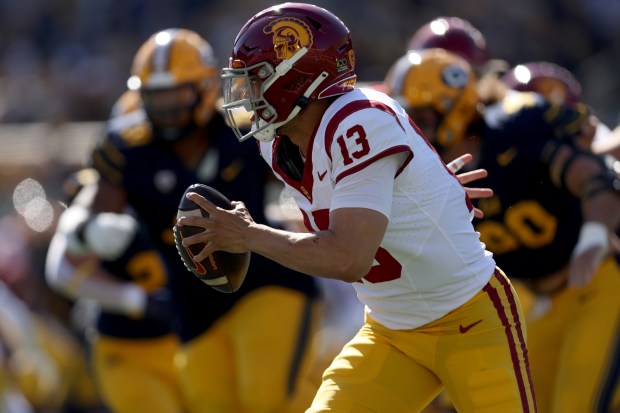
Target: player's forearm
(315, 253)
(83, 278)
(117, 297)
(604, 208)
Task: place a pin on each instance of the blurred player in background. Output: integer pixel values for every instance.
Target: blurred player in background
(43, 324)
(241, 352)
(552, 81)
(461, 37)
(134, 347)
(455, 34)
(560, 86)
(383, 213)
(29, 376)
(555, 204)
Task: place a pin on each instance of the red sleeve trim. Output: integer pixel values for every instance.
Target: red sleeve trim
(348, 110)
(387, 152)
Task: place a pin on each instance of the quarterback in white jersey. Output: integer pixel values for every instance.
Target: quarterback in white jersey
(430, 260)
(383, 212)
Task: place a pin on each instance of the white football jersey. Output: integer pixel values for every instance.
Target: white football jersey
(431, 260)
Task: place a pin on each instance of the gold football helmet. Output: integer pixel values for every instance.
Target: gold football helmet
(175, 73)
(441, 81)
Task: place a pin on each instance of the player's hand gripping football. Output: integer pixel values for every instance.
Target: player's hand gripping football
(467, 177)
(224, 230)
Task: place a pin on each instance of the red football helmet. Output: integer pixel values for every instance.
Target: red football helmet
(455, 35)
(283, 58)
(548, 79)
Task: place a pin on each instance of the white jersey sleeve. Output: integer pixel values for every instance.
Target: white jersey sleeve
(361, 133)
(370, 187)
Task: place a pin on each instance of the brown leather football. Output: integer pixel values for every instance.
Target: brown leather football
(224, 271)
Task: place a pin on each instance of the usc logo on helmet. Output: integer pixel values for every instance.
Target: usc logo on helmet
(289, 36)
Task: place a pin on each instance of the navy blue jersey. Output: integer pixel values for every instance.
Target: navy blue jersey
(142, 265)
(530, 224)
(155, 181)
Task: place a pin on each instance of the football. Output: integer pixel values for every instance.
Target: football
(223, 271)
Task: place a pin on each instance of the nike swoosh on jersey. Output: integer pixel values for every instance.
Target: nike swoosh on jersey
(504, 158)
(321, 175)
(464, 329)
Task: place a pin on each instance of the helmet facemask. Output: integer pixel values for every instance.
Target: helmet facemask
(171, 110)
(246, 92)
(244, 102)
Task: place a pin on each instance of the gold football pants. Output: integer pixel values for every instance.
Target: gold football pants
(477, 352)
(138, 375)
(574, 343)
(255, 358)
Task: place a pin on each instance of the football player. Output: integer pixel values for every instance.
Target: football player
(383, 212)
(134, 347)
(554, 207)
(241, 352)
(559, 85)
(45, 358)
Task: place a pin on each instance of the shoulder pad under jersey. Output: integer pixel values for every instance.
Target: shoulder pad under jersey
(122, 133)
(133, 128)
